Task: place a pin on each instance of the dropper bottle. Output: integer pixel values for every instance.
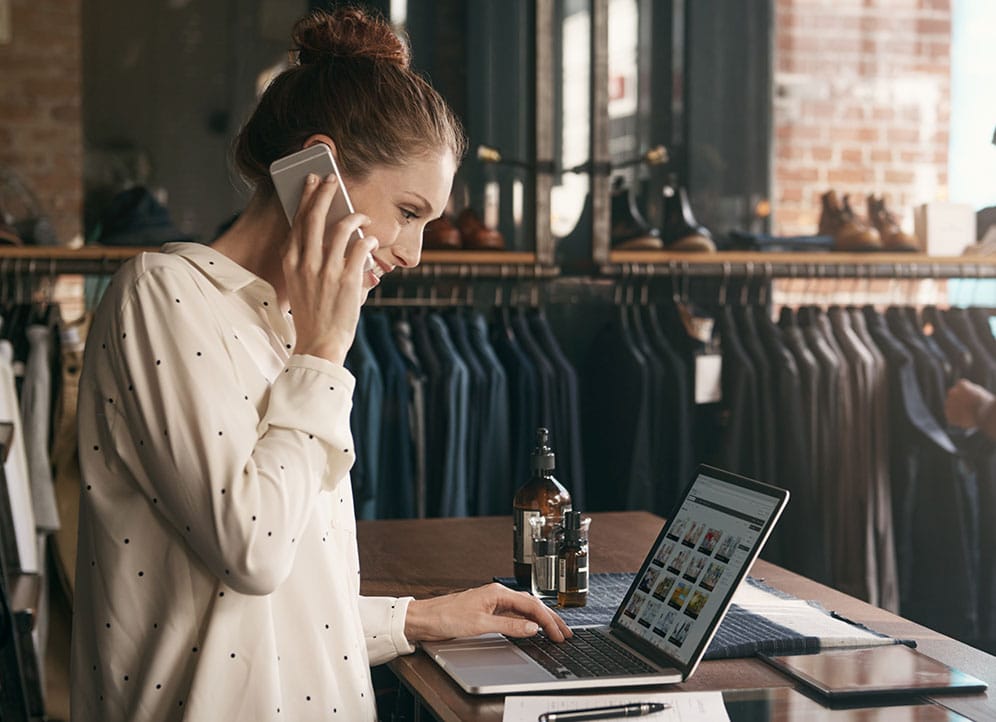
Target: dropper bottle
(572, 562)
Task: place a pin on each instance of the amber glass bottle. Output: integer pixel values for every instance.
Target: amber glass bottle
(572, 562)
(543, 496)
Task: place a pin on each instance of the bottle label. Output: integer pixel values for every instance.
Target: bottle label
(522, 535)
(575, 584)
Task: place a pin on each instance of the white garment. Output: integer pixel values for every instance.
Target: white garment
(217, 575)
(16, 466)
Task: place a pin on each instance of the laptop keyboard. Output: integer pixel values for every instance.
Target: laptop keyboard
(587, 654)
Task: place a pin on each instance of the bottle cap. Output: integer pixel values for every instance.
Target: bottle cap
(572, 526)
(542, 456)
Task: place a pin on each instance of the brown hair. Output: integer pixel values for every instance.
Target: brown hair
(353, 82)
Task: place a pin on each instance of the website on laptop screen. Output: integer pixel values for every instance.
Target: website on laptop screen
(694, 565)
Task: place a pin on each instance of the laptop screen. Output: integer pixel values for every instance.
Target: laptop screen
(697, 562)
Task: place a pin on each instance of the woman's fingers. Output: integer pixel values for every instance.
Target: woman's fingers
(316, 201)
(356, 256)
(530, 608)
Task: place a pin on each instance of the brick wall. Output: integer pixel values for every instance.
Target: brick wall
(862, 105)
(41, 137)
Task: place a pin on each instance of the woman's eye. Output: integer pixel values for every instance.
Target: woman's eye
(408, 215)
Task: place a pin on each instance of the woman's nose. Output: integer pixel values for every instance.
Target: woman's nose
(408, 249)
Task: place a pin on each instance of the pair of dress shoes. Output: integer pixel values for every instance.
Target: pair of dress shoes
(880, 232)
(467, 233)
(679, 231)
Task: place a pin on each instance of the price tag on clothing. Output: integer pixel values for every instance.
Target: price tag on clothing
(708, 374)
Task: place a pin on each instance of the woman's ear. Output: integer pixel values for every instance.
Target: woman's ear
(322, 138)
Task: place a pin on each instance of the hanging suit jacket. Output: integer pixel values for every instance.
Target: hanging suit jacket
(937, 576)
(676, 443)
(417, 382)
(496, 489)
(396, 499)
(523, 388)
(568, 409)
(615, 414)
(365, 423)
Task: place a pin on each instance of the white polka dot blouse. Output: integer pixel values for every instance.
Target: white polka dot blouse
(217, 574)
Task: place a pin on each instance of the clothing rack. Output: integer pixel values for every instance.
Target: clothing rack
(38, 261)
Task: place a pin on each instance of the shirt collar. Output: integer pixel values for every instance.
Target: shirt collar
(222, 270)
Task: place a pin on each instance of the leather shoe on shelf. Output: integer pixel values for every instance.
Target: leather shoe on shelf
(441, 235)
(680, 231)
(475, 235)
(893, 237)
(630, 231)
(849, 232)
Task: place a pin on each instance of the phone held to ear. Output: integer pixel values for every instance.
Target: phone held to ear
(289, 173)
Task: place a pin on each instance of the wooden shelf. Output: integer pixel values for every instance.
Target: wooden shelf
(51, 260)
(740, 263)
(481, 258)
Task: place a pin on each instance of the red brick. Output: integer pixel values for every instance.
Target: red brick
(799, 175)
(880, 155)
(855, 174)
(899, 177)
(821, 153)
(852, 156)
(902, 135)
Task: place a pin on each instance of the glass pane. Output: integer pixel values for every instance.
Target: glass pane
(728, 103)
(572, 114)
(480, 57)
(645, 98)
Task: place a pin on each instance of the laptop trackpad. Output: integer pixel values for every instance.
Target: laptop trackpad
(506, 656)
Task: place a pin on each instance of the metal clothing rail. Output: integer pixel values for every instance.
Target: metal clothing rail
(798, 265)
(44, 261)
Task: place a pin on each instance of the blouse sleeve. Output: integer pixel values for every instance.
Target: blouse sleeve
(383, 621)
(238, 483)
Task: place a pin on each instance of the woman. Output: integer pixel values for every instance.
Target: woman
(217, 576)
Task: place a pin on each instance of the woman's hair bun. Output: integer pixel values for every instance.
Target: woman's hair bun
(348, 33)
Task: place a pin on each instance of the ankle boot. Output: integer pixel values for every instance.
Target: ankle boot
(629, 229)
(441, 235)
(849, 233)
(680, 231)
(893, 237)
(475, 235)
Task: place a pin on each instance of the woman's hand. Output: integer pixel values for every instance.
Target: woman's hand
(491, 608)
(324, 283)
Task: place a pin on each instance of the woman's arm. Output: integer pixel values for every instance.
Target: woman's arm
(239, 484)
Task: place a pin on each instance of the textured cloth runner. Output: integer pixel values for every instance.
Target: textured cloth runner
(741, 634)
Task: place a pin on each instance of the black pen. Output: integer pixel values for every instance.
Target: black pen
(641, 709)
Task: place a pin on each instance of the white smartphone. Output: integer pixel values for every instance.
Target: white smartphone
(289, 173)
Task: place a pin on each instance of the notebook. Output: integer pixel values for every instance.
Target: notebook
(663, 624)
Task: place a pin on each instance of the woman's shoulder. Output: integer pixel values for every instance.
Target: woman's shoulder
(182, 264)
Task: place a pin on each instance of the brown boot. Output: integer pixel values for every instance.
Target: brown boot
(893, 237)
(477, 236)
(441, 235)
(849, 233)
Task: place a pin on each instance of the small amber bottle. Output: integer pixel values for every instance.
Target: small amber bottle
(572, 562)
(543, 496)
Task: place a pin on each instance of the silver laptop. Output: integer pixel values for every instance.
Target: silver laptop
(667, 618)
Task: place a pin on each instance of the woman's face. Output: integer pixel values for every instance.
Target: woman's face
(400, 201)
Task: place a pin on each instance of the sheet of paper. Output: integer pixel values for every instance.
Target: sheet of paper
(685, 706)
(800, 616)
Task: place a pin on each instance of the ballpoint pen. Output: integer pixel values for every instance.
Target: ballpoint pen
(640, 709)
